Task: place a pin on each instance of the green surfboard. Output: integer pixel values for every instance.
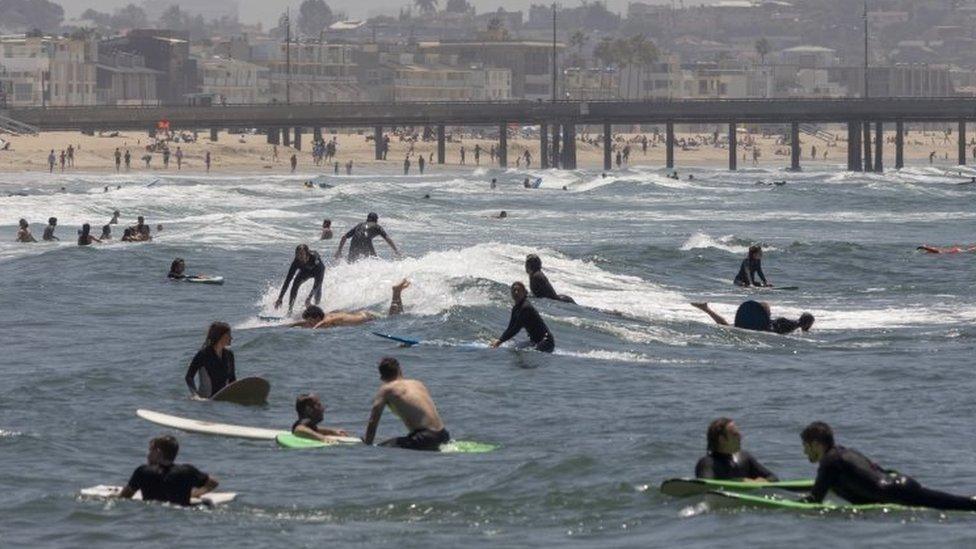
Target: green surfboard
(684, 487)
(773, 502)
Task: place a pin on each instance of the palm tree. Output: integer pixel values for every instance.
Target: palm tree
(579, 39)
(603, 53)
(762, 48)
(647, 56)
(426, 6)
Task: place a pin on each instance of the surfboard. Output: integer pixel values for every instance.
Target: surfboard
(403, 340)
(411, 342)
(104, 491)
(773, 502)
(208, 427)
(270, 318)
(684, 487)
(205, 279)
(293, 442)
(248, 391)
(537, 183)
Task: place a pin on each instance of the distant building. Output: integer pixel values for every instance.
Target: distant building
(309, 71)
(589, 83)
(402, 76)
(123, 79)
(165, 51)
(660, 80)
(235, 81)
(46, 70)
(895, 81)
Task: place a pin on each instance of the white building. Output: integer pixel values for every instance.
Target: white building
(235, 81)
(55, 71)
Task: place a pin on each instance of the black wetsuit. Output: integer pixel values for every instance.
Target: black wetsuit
(752, 315)
(361, 243)
(172, 484)
(540, 287)
(748, 271)
(421, 439)
(525, 316)
(314, 269)
(49, 233)
(176, 276)
(215, 372)
(859, 480)
(732, 467)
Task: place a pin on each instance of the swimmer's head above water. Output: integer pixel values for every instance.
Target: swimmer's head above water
(532, 263)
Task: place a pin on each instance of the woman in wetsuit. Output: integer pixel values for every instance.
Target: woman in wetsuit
(84, 237)
(539, 282)
(307, 264)
(751, 266)
(213, 364)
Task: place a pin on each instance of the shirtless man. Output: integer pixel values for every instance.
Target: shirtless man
(411, 402)
(23, 232)
(315, 317)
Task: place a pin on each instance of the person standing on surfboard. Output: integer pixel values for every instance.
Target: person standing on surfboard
(751, 266)
(539, 282)
(311, 412)
(315, 317)
(756, 316)
(213, 364)
(163, 480)
(307, 264)
(362, 236)
(726, 460)
(859, 480)
(525, 316)
(410, 400)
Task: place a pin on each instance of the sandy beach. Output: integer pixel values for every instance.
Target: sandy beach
(245, 153)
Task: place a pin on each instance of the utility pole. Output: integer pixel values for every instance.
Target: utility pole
(865, 49)
(288, 56)
(553, 51)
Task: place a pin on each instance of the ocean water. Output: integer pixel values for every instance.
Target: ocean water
(585, 436)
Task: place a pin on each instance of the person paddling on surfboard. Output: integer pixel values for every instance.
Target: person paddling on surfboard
(177, 269)
(315, 317)
(859, 480)
(525, 316)
(756, 316)
(362, 236)
(311, 412)
(163, 480)
(751, 266)
(410, 400)
(726, 460)
(307, 264)
(949, 250)
(213, 364)
(539, 282)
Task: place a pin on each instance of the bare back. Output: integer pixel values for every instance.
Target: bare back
(411, 402)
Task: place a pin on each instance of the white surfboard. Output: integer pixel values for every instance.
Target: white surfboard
(106, 491)
(208, 427)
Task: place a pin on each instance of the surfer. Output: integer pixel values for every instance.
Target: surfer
(525, 316)
(52, 224)
(326, 229)
(160, 479)
(409, 400)
(753, 315)
(84, 236)
(315, 317)
(311, 412)
(106, 232)
(213, 364)
(23, 232)
(725, 459)
(751, 266)
(177, 269)
(362, 236)
(307, 264)
(539, 283)
(949, 250)
(852, 476)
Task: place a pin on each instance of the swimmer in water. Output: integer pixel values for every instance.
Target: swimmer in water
(84, 236)
(539, 282)
(106, 232)
(526, 183)
(23, 232)
(160, 479)
(525, 316)
(314, 317)
(213, 365)
(852, 476)
(311, 412)
(756, 316)
(751, 266)
(306, 265)
(52, 224)
(362, 236)
(726, 460)
(326, 229)
(127, 235)
(115, 218)
(177, 269)
(494, 183)
(949, 250)
(410, 401)
(502, 215)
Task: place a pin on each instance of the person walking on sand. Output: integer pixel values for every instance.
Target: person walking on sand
(118, 159)
(206, 160)
(179, 158)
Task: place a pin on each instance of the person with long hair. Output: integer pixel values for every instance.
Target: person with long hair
(725, 459)
(751, 266)
(213, 365)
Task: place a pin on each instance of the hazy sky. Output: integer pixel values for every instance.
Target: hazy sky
(267, 11)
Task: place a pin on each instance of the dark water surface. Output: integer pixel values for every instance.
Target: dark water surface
(586, 435)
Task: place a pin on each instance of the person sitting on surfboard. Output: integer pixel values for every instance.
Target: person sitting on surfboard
(751, 266)
(311, 412)
(756, 316)
(213, 364)
(160, 479)
(307, 264)
(315, 317)
(362, 236)
(410, 400)
(525, 316)
(539, 283)
(859, 480)
(726, 460)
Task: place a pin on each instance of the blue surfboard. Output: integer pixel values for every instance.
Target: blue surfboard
(403, 340)
(537, 183)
